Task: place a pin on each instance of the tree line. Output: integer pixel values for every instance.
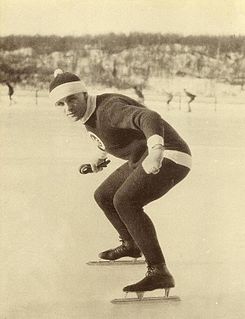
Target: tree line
(113, 43)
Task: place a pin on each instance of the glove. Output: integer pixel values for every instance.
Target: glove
(86, 168)
(153, 162)
(99, 159)
(96, 165)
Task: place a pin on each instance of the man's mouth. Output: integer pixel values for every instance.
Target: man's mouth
(72, 116)
(69, 114)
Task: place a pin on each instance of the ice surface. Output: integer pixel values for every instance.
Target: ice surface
(51, 226)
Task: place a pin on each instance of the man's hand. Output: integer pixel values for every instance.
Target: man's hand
(153, 162)
(87, 168)
(96, 162)
(96, 165)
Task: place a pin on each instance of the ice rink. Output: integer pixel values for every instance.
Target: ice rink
(51, 226)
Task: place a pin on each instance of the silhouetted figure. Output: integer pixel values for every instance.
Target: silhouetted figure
(36, 96)
(192, 98)
(170, 96)
(139, 93)
(10, 92)
(114, 71)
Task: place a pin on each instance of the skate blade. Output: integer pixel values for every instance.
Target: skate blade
(145, 300)
(116, 262)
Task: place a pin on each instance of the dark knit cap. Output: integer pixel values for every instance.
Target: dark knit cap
(65, 84)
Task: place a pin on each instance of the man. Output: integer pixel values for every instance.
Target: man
(192, 98)
(170, 96)
(157, 158)
(10, 92)
(139, 93)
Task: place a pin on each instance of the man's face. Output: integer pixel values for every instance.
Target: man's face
(75, 105)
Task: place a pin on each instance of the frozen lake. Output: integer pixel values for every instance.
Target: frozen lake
(51, 226)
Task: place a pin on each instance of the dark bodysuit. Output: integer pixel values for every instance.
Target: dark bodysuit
(121, 127)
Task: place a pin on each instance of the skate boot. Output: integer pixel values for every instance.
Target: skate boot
(126, 249)
(157, 277)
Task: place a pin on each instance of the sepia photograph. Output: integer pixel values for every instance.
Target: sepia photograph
(122, 146)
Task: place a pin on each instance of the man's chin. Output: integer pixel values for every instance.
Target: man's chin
(73, 118)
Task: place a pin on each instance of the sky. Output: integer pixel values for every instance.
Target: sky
(79, 17)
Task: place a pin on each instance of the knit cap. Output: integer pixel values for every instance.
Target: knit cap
(65, 84)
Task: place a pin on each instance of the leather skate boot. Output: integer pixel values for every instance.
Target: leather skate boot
(126, 249)
(157, 277)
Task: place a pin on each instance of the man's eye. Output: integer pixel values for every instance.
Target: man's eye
(71, 102)
(60, 103)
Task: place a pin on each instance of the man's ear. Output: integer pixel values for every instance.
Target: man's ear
(86, 95)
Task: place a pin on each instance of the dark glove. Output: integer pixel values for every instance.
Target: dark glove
(86, 168)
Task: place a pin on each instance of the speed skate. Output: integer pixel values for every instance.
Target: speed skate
(157, 277)
(125, 254)
(147, 299)
(134, 261)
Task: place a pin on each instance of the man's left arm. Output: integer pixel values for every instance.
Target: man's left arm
(151, 124)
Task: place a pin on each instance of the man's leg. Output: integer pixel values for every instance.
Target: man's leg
(104, 197)
(138, 190)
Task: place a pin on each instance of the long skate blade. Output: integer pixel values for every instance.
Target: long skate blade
(145, 300)
(116, 262)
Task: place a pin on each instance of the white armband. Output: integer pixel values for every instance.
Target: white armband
(155, 140)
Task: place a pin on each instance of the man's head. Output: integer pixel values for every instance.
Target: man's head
(67, 89)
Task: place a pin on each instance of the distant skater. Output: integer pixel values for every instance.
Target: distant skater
(114, 71)
(36, 96)
(10, 92)
(140, 94)
(170, 96)
(192, 98)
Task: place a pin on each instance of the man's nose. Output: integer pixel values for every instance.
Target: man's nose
(71, 106)
(67, 109)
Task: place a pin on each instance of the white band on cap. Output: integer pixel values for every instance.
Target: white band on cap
(66, 89)
(154, 140)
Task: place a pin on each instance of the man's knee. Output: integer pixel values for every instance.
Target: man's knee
(122, 203)
(102, 197)
(99, 196)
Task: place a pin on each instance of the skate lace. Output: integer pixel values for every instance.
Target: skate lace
(120, 248)
(150, 271)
